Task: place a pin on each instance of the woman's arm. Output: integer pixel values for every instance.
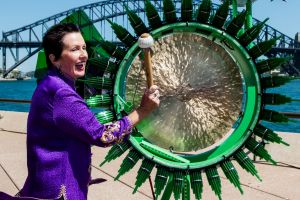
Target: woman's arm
(72, 116)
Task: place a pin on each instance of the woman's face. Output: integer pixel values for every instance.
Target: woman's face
(73, 58)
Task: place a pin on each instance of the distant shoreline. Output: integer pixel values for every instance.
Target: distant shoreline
(8, 79)
(14, 79)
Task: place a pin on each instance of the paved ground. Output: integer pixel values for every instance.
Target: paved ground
(279, 182)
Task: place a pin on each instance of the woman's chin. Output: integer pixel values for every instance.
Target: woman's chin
(79, 74)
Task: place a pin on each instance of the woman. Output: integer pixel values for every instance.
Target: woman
(61, 128)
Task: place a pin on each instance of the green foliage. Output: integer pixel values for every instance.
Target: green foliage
(116, 151)
(268, 134)
(136, 22)
(258, 149)
(196, 183)
(122, 34)
(203, 12)
(236, 24)
(270, 64)
(128, 162)
(187, 10)
(246, 163)
(273, 116)
(273, 81)
(249, 35)
(169, 11)
(262, 48)
(231, 173)
(143, 173)
(160, 181)
(214, 180)
(221, 15)
(152, 15)
(275, 99)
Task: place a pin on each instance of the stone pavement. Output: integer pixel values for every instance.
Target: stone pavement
(279, 182)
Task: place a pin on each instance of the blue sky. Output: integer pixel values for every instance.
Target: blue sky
(284, 16)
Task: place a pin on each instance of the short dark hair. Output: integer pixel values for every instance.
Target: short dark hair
(52, 40)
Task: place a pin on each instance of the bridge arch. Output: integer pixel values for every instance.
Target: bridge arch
(29, 37)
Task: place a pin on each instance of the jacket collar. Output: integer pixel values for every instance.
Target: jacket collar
(56, 72)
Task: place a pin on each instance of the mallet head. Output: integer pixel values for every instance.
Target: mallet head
(145, 41)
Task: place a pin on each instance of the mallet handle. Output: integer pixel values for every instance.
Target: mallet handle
(148, 67)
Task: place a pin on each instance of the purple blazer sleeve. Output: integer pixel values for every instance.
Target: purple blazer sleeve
(71, 114)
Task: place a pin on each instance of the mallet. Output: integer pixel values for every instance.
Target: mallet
(145, 42)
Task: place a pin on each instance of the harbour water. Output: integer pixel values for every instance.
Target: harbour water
(23, 90)
(20, 90)
(292, 90)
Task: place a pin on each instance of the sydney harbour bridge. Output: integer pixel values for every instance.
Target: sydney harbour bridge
(20, 44)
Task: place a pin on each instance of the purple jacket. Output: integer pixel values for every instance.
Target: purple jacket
(60, 132)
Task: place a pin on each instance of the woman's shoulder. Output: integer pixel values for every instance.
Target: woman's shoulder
(50, 81)
(51, 84)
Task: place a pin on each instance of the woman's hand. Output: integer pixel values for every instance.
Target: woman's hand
(150, 101)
